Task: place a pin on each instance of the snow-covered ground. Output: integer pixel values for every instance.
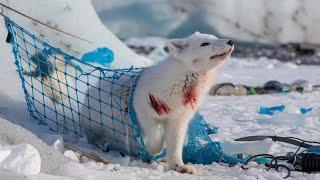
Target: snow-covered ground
(235, 117)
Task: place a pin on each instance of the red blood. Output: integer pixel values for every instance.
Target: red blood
(158, 105)
(190, 96)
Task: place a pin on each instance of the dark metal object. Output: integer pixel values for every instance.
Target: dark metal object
(305, 161)
(290, 140)
(308, 162)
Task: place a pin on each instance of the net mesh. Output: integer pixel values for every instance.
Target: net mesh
(71, 96)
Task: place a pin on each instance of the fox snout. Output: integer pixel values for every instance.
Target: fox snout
(230, 42)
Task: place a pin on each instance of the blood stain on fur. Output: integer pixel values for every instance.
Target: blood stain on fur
(158, 105)
(190, 96)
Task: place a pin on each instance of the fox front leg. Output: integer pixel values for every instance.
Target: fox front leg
(175, 134)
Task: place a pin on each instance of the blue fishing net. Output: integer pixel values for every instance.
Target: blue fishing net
(67, 95)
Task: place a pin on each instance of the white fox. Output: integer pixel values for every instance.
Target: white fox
(168, 94)
(166, 97)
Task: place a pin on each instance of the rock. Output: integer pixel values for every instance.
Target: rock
(273, 86)
(240, 90)
(224, 89)
(301, 86)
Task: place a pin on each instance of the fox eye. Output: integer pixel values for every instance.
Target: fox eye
(205, 44)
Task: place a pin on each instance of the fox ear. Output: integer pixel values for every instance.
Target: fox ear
(176, 46)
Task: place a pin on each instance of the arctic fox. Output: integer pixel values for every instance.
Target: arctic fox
(169, 93)
(166, 97)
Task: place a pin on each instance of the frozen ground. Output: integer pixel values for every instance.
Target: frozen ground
(235, 116)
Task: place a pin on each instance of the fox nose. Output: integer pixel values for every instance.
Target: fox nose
(230, 42)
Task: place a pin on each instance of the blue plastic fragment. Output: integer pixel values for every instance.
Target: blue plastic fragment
(102, 56)
(273, 109)
(305, 110)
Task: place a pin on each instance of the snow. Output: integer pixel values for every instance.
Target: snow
(21, 159)
(256, 72)
(14, 135)
(235, 117)
(54, 141)
(147, 41)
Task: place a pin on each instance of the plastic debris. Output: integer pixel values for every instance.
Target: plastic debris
(102, 56)
(273, 109)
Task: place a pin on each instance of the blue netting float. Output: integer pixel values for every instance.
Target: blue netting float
(58, 88)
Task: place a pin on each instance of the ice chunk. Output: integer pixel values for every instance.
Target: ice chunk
(72, 155)
(21, 159)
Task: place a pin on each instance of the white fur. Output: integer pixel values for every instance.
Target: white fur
(188, 69)
(188, 66)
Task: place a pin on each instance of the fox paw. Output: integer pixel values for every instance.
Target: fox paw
(189, 169)
(162, 160)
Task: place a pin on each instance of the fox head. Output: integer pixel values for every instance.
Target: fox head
(201, 52)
